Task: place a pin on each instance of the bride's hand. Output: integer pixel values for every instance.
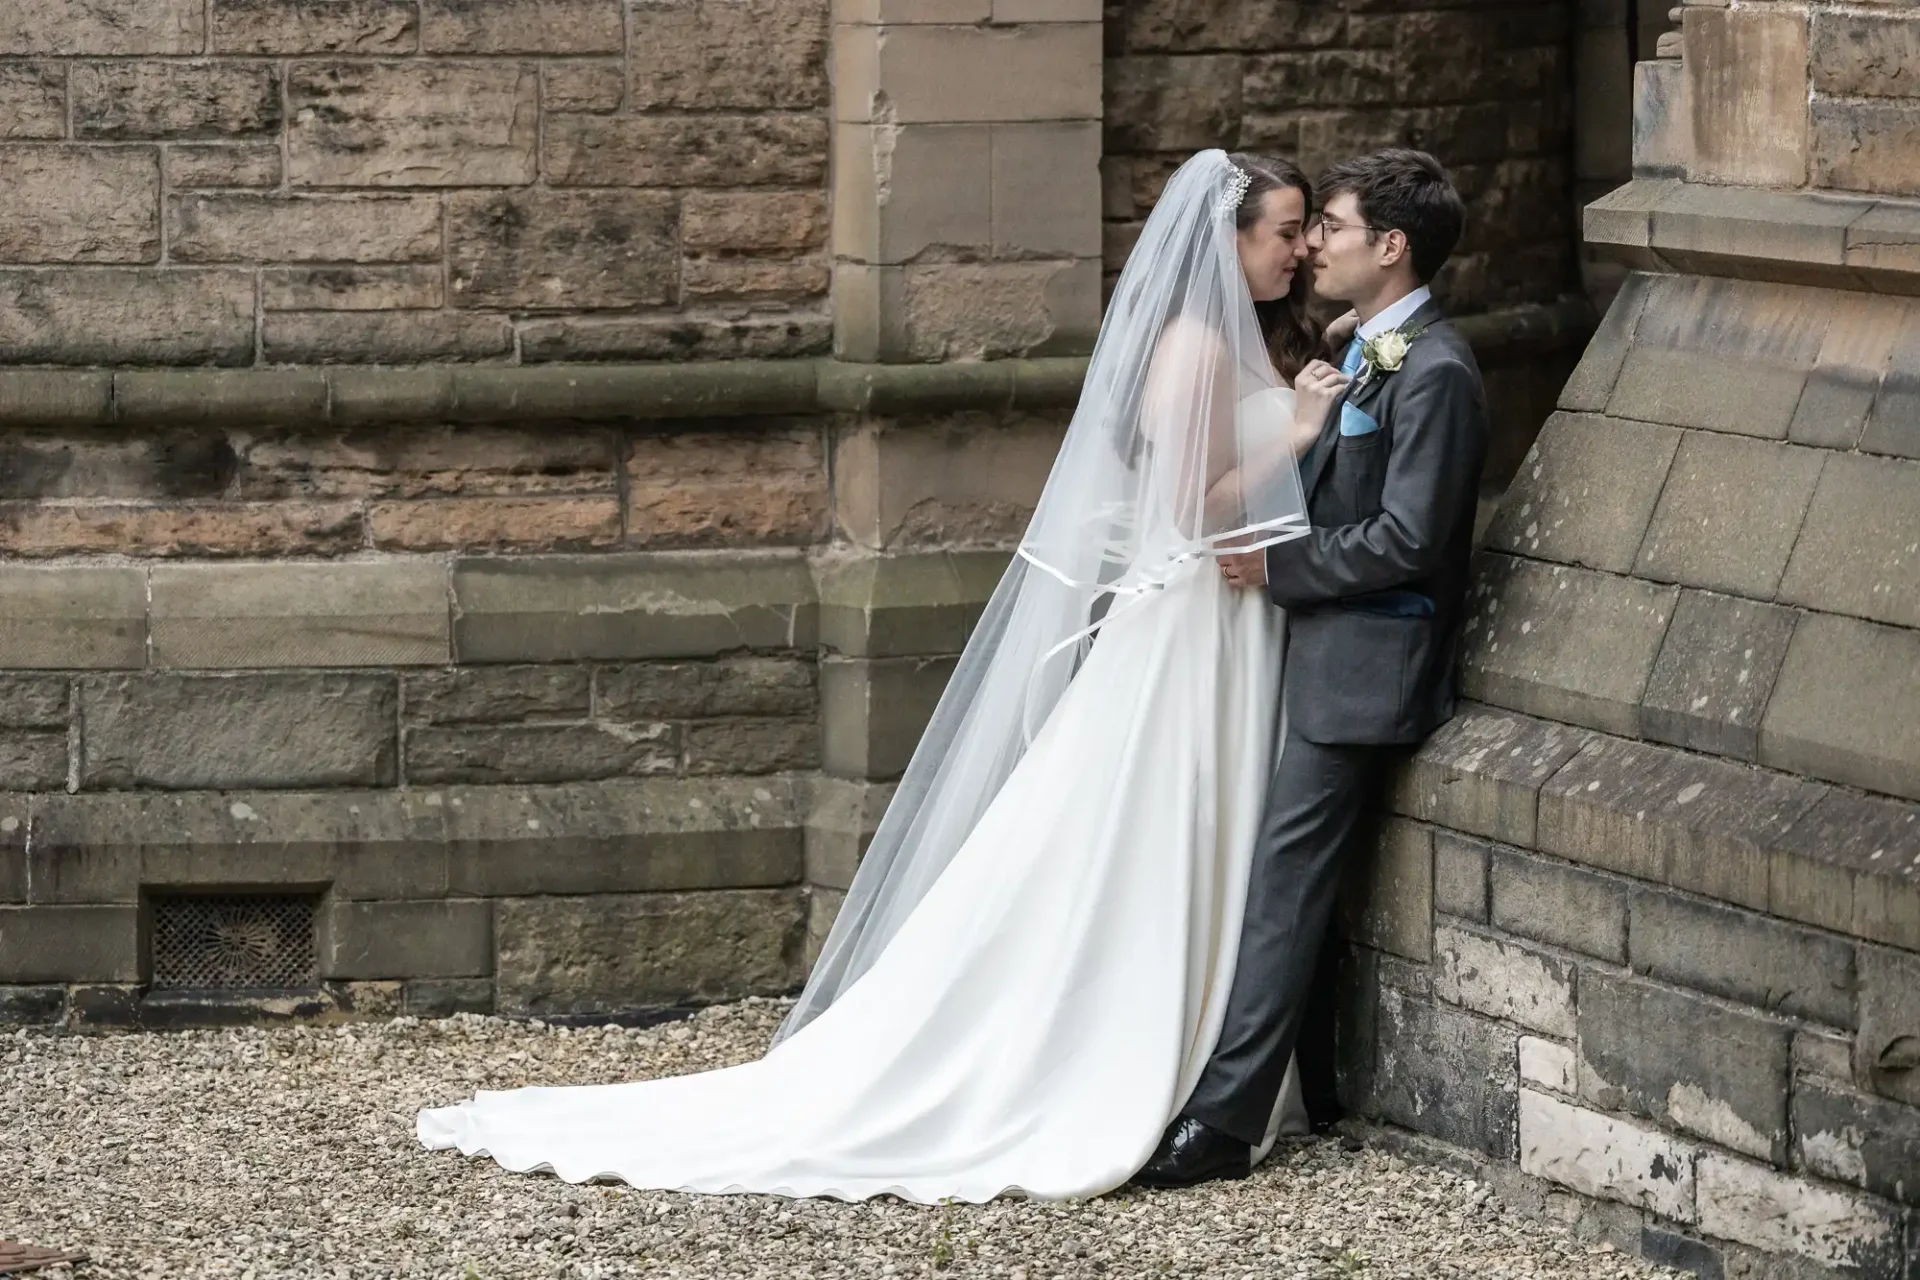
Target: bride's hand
(1341, 331)
(1315, 390)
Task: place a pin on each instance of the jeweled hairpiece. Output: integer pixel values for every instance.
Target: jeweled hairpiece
(1236, 192)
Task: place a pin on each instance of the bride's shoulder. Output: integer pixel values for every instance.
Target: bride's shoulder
(1185, 330)
(1186, 343)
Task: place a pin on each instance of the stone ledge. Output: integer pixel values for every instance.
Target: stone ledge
(524, 394)
(430, 610)
(890, 606)
(630, 605)
(87, 1007)
(342, 614)
(1785, 845)
(358, 396)
(1794, 237)
(1482, 771)
(623, 836)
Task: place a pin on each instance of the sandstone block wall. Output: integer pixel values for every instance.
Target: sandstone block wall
(1666, 998)
(966, 182)
(547, 707)
(557, 785)
(1661, 978)
(418, 181)
(403, 181)
(1772, 94)
(1485, 85)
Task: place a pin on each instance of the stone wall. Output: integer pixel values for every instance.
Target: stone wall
(1666, 998)
(556, 692)
(1485, 85)
(577, 691)
(548, 785)
(277, 182)
(551, 687)
(1786, 95)
(1649, 944)
(243, 182)
(312, 463)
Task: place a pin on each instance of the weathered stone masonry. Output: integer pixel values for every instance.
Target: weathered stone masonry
(1486, 85)
(263, 577)
(556, 679)
(278, 182)
(1679, 986)
(669, 733)
(1652, 930)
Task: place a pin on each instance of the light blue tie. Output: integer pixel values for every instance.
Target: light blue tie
(1351, 365)
(1354, 422)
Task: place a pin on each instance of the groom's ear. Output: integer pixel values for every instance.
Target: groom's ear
(1394, 249)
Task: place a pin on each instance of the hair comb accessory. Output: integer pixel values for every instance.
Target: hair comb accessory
(1236, 192)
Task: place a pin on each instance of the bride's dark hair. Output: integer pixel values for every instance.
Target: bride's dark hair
(1293, 336)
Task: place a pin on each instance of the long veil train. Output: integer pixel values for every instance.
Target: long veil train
(1033, 959)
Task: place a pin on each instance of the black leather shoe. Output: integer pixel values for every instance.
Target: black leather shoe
(1325, 1119)
(1193, 1153)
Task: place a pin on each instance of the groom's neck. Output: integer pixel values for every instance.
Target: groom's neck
(1390, 292)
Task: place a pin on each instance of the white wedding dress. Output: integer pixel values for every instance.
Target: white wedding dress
(1048, 1006)
(1042, 1010)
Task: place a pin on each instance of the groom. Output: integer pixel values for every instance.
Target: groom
(1374, 596)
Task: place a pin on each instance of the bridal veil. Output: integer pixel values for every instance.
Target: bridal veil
(1170, 455)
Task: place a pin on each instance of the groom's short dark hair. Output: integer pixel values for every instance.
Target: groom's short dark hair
(1408, 191)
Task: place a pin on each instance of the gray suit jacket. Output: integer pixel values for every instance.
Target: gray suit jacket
(1375, 592)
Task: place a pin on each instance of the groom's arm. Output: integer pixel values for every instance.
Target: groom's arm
(1439, 429)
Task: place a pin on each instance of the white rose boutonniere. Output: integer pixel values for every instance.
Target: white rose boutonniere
(1385, 353)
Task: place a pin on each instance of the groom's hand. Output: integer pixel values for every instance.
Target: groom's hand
(1247, 570)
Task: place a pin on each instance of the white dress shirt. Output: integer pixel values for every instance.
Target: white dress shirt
(1394, 316)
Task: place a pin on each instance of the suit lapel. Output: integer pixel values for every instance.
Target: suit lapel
(1361, 397)
(1428, 315)
(1314, 465)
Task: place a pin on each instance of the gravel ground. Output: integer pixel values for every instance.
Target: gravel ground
(290, 1152)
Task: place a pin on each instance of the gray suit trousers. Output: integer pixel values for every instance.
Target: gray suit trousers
(1315, 807)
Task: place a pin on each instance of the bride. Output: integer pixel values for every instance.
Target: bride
(1033, 960)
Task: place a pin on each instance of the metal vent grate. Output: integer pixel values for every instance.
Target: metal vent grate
(255, 942)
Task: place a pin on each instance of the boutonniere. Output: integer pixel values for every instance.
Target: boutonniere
(1384, 353)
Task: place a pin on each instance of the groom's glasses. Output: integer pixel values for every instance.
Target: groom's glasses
(1326, 228)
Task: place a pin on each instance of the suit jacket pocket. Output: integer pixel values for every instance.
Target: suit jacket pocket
(1351, 676)
(1359, 475)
